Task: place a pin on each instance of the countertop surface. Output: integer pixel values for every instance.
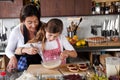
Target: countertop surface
(37, 68)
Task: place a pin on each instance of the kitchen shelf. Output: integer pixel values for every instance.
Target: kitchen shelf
(105, 46)
(100, 48)
(105, 0)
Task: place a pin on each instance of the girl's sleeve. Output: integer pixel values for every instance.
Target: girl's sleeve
(66, 43)
(12, 44)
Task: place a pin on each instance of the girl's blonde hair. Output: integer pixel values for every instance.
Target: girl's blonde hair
(52, 26)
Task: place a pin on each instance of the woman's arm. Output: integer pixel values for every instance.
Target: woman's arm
(27, 49)
(10, 49)
(12, 44)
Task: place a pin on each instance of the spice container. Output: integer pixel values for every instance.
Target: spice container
(97, 8)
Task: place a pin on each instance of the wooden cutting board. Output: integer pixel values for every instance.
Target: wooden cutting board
(66, 71)
(39, 69)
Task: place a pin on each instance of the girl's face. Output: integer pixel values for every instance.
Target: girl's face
(51, 36)
(31, 23)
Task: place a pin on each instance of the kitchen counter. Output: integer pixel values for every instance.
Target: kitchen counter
(100, 48)
(34, 69)
(107, 46)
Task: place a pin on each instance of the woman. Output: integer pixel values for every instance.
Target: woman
(26, 30)
(51, 42)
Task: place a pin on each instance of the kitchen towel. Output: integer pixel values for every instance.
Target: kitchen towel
(22, 63)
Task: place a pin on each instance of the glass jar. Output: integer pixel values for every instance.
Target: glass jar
(112, 66)
(97, 8)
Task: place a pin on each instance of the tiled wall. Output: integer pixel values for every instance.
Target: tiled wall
(84, 27)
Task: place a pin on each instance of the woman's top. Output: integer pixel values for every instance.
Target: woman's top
(60, 43)
(15, 40)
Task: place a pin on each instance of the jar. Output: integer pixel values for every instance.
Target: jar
(118, 9)
(97, 8)
(112, 66)
(3, 75)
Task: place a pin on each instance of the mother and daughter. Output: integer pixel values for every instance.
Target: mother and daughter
(49, 42)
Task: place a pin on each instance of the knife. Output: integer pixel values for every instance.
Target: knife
(60, 72)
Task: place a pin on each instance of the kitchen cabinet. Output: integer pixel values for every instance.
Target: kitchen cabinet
(52, 8)
(57, 8)
(83, 7)
(10, 9)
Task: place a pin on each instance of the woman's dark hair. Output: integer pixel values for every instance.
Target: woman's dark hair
(29, 10)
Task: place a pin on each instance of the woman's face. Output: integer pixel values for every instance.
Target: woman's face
(31, 23)
(51, 36)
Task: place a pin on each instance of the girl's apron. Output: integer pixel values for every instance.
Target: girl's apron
(53, 53)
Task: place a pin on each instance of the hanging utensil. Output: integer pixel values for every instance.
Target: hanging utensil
(117, 26)
(80, 20)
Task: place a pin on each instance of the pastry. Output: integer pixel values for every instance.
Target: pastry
(71, 66)
(74, 69)
(84, 64)
(83, 67)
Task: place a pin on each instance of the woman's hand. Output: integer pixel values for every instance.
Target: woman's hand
(27, 50)
(30, 50)
(12, 64)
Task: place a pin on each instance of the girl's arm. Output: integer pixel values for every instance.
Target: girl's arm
(69, 50)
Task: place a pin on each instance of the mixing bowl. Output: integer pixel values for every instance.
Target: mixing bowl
(51, 64)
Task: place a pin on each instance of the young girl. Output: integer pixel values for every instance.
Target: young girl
(51, 42)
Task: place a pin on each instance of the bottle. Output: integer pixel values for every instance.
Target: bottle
(97, 8)
(3, 75)
(96, 61)
(102, 8)
(93, 7)
(112, 8)
(36, 3)
(107, 8)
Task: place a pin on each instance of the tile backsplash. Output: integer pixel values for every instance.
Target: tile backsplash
(84, 30)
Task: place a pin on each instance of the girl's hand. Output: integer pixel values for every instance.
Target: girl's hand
(64, 55)
(12, 64)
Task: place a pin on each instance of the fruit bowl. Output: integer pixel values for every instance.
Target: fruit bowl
(51, 64)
